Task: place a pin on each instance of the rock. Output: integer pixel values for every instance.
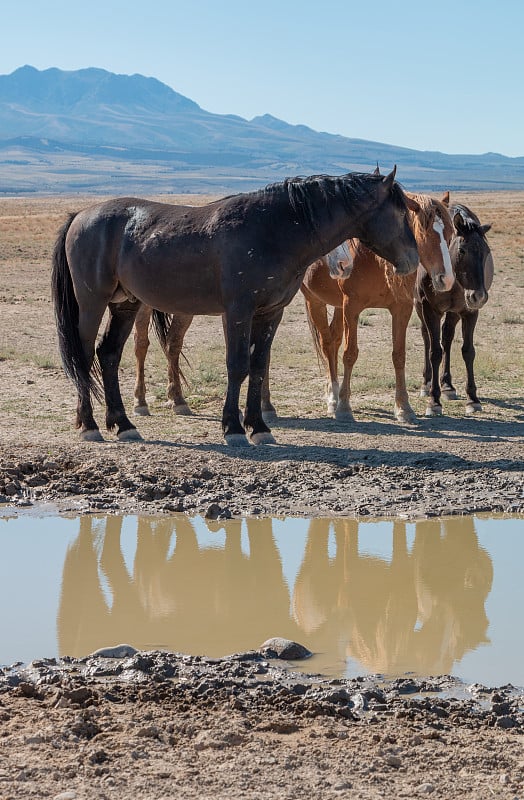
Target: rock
(283, 648)
(217, 512)
(425, 788)
(118, 651)
(392, 760)
(65, 796)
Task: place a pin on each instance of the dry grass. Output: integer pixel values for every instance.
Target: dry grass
(27, 333)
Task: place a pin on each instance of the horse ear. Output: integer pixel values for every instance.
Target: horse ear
(445, 199)
(388, 180)
(376, 171)
(484, 229)
(458, 222)
(412, 203)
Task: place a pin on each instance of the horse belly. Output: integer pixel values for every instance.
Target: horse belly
(176, 288)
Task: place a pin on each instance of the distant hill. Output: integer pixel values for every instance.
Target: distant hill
(94, 131)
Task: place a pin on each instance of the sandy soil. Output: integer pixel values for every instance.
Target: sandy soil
(73, 733)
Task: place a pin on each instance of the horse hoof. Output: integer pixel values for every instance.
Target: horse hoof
(472, 408)
(423, 392)
(91, 436)
(264, 437)
(434, 411)
(236, 440)
(182, 410)
(130, 435)
(142, 411)
(269, 416)
(450, 394)
(342, 415)
(406, 417)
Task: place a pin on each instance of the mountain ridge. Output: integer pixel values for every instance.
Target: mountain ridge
(92, 115)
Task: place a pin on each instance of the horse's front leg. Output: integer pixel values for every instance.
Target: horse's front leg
(448, 333)
(469, 321)
(262, 334)
(431, 320)
(426, 370)
(237, 330)
(400, 316)
(269, 411)
(109, 351)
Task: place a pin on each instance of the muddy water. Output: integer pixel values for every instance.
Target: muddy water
(429, 597)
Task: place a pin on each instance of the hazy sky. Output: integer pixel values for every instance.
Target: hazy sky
(435, 75)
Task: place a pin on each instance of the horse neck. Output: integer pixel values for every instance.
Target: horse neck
(321, 226)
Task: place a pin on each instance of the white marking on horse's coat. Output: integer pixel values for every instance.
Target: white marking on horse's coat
(449, 278)
(252, 349)
(340, 261)
(137, 216)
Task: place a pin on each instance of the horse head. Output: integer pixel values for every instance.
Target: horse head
(471, 256)
(382, 225)
(433, 231)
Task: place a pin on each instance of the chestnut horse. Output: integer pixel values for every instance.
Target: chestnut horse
(372, 284)
(473, 265)
(338, 262)
(243, 256)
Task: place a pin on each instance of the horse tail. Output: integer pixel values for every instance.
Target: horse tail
(85, 376)
(161, 323)
(321, 358)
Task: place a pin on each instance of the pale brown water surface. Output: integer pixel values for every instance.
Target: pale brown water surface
(430, 597)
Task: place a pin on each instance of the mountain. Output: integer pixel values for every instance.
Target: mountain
(93, 131)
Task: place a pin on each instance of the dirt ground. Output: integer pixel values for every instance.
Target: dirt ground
(73, 733)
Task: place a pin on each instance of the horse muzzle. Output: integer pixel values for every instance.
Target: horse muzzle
(407, 263)
(340, 262)
(443, 282)
(475, 298)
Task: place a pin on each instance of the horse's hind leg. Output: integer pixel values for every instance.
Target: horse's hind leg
(400, 316)
(174, 343)
(109, 351)
(322, 334)
(448, 333)
(141, 337)
(426, 370)
(469, 321)
(89, 319)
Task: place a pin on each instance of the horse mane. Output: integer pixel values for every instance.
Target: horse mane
(469, 218)
(421, 220)
(302, 191)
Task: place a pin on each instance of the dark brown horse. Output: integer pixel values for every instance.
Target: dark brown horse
(339, 263)
(473, 265)
(243, 257)
(372, 284)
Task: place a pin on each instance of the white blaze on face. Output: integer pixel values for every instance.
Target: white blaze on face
(449, 278)
(340, 261)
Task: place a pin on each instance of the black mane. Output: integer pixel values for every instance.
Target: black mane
(469, 219)
(349, 188)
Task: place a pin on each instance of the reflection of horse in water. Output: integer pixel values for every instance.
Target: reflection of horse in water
(179, 596)
(420, 612)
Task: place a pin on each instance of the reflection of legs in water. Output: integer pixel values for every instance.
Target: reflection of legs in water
(126, 615)
(381, 605)
(82, 613)
(268, 586)
(453, 578)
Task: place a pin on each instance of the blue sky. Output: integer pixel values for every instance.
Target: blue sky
(443, 76)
